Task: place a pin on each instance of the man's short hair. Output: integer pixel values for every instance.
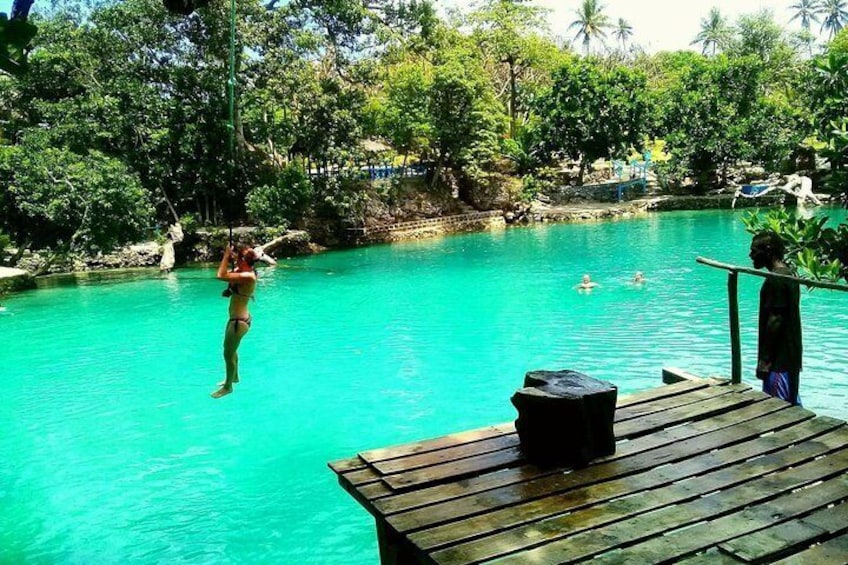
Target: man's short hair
(769, 243)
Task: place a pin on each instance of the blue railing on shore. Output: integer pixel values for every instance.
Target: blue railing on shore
(616, 188)
(375, 172)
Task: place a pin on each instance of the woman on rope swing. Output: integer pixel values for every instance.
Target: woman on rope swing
(241, 285)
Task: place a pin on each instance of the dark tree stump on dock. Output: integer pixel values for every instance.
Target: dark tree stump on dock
(565, 418)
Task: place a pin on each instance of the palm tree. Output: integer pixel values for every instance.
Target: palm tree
(623, 31)
(713, 31)
(806, 10)
(835, 14)
(590, 23)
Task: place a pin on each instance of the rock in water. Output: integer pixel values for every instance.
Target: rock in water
(565, 417)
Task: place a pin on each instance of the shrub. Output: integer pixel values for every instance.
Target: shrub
(83, 202)
(284, 202)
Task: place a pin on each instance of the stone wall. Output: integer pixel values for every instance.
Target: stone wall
(12, 280)
(711, 202)
(132, 256)
(606, 192)
(432, 227)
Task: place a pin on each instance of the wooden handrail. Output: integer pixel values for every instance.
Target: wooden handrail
(733, 303)
(769, 275)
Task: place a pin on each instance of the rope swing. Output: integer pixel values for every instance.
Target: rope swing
(231, 126)
(185, 8)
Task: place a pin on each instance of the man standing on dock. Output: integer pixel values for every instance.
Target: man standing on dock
(779, 346)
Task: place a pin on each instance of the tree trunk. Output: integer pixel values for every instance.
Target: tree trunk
(170, 206)
(582, 170)
(20, 9)
(513, 98)
(438, 170)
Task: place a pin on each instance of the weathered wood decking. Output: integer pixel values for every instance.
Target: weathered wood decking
(704, 472)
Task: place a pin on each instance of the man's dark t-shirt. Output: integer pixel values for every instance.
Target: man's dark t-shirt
(780, 344)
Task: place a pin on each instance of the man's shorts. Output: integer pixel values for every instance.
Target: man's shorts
(777, 384)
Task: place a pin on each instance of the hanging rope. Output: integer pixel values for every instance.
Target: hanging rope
(231, 126)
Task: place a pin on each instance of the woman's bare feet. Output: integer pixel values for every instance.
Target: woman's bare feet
(223, 391)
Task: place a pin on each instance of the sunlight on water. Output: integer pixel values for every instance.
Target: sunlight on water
(115, 453)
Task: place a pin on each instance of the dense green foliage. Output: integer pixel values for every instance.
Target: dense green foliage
(817, 251)
(591, 112)
(120, 122)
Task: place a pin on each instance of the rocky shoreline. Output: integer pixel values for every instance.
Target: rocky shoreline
(204, 245)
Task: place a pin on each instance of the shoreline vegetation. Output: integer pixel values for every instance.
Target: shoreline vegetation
(327, 122)
(143, 259)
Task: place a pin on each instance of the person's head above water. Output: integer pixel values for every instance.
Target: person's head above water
(587, 283)
(638, 277)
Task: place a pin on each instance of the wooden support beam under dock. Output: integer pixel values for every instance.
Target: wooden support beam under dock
(705, 471)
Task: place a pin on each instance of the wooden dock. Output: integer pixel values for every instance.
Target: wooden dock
(705, 472)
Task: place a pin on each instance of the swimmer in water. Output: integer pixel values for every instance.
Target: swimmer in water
(587, 284)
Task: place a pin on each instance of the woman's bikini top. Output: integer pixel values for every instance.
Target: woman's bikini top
(233, 288)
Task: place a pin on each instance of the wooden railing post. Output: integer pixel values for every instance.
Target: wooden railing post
(735, 345)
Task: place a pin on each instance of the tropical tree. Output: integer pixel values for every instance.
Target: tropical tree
(464, 116)
(714, 32)
(403, 113)
(760, 36)
(591, 112)
(591, 23)
(806, 11)
(835, 14)
(511, 35)
(57, 198)
(716, 114)
(623, 31)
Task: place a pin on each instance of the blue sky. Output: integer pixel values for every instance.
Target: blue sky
(657, 24)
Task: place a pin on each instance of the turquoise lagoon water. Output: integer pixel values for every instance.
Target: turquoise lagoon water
(113, 451)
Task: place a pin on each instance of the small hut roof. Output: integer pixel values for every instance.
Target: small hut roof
(374, 146)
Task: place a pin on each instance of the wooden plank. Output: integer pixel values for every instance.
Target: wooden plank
(448, 454)
(701, 536)
(473, 485)
(510, 440)
(672, 375)
(551, 512)
(763, 404)
(674, 416)
(696, 429)
(455, 470)
(789, 505)
(456, 446)
(655, 525)
(662, 392)
(361, 476)
(833, 552)
(510, 495)
(374, 491)
(375, 455)
(666, 403)
(452, 440)
(345, 465)
(500, 527)
(785, 538)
